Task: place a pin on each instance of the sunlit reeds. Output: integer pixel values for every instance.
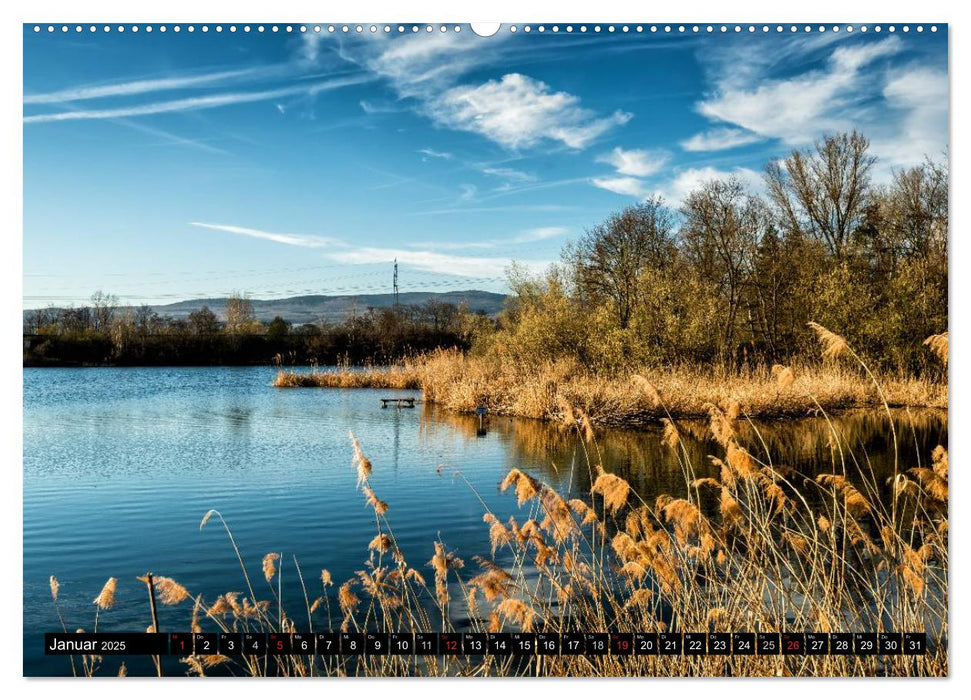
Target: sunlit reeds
(462, 383)
(750, 546)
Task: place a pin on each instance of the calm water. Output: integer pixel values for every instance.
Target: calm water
(120, 465)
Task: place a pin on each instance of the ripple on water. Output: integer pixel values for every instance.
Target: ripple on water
(120, 465)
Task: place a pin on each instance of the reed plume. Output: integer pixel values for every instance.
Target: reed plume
(938, 346)
(371, 499)
(855, 502)
(381, 543)
(105, 599)
(269, 565)
(360, 462)
(647, 389)
(670, 437)
(169, 591)
(526, 487)
(783, 376)
(613, 489)
(833, 345)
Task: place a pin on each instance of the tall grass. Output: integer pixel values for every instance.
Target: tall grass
(459, 382)
(758, 547)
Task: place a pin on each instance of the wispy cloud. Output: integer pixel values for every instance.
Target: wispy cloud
(510, 174)
(683, 183)
(506, 208)
(532, 235)
(540, 234)
(797, 108)
(372, 107)
(432, 153)
(720, 139)
(639, 163)
(170, 137)
(301, 241)
(517, 111)
(198, 103)
(138, 87)
(919, 95)
(898, 100)
(426, 260)
(629, 186)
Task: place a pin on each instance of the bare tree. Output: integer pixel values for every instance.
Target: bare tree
(609, 258)
(917, 216)
(823, 191)
(203, 321)
(102, 308)
(239, 313)
(722, 226)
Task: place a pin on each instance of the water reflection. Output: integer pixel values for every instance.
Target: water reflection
(853, 442)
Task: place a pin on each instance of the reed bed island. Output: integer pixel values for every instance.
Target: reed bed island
(463, 382)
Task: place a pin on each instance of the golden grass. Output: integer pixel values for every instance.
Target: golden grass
(773, 551)
(461, 383)
(770, 561)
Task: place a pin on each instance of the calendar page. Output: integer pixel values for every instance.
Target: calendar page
(513, 350)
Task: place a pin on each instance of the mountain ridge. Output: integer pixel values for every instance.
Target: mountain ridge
(317, 308)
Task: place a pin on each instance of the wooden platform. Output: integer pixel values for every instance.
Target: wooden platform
(399, 403)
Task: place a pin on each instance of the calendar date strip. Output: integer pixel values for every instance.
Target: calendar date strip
(490, 644)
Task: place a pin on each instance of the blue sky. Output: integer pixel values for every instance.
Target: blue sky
(162, 167)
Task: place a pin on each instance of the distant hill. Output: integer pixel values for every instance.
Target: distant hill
(333, 309)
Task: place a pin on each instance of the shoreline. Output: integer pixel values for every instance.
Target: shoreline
(462, 384)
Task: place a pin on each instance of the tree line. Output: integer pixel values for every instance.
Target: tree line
(105, 333)
(732, 276)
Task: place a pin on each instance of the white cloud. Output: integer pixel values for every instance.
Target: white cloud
(719, 139)
(797, 109)
(196, 103)
(453, 245)
(531, 235)
(515, 111)
(372, 107)
(920, 96)
(138, 87)
(629, 186)
(285, 238)
(639, 163)
(897, 99)
(519, 112)
(432, 153)
(677, 189)
(426, 260)
(467, 192)
(509, 174)
(540, 234)
(417, 66)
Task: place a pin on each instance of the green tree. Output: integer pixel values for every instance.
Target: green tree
(277, 329)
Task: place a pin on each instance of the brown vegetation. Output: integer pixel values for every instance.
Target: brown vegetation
(462, 382)
(757, 548)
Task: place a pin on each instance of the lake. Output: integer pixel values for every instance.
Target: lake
(121, 464)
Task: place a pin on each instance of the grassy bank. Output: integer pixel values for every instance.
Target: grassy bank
(461, 383)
